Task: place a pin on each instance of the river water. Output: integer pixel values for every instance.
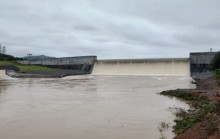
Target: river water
(87, 107)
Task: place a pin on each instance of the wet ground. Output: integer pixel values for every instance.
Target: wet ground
(87, 107)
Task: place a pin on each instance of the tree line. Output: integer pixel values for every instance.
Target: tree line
(4, 56)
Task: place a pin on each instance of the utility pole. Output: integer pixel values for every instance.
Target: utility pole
(0, 48)
(29, 57)
(4, 50)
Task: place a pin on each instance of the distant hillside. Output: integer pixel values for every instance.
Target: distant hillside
(40, 57)
(7, 57)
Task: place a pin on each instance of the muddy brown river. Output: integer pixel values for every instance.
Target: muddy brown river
(87, 107)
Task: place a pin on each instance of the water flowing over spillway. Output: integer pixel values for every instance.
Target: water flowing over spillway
(2, 72)
(144, 67)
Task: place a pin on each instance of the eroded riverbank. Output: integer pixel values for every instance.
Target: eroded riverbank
(88, 107)
(202, 121)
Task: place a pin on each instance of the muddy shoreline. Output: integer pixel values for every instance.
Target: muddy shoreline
(202, 121)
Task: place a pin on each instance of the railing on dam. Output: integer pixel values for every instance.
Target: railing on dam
(145, 67)
(61, 61)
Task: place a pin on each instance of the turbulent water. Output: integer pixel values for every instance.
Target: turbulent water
(154, 67)
(87, 107)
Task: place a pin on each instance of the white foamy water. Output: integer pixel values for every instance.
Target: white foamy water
(87, 107)
(146, 67)
(2, 73)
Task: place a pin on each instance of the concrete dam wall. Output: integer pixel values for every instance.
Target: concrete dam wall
(200, 64)
(144, 67)
(77, 65)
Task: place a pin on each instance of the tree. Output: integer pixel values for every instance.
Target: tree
(216, 61)
(4, 50)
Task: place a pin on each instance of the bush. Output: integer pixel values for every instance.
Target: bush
(6, 57)
(216, 61)
(217, 72)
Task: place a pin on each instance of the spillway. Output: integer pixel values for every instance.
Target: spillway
(143, 67)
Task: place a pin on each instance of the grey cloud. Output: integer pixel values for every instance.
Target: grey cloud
(109, 29)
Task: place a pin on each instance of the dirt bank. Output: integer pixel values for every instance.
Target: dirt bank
(203, 120)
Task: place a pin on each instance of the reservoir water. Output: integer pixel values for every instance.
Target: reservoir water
(87, 107)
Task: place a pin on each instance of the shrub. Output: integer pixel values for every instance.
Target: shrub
(216, 61)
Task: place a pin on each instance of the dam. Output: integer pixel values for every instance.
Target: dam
(197, 65)
(143, 67)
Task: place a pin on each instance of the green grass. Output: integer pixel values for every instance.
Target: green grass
(202, 109)
(217, 72)
(33, 68)
(25, 68)
(11, 63)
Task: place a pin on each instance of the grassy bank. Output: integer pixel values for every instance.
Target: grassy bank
(217, 72)
(25, 68)
(201, 109)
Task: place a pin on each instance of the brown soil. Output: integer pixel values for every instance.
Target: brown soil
(208, 128)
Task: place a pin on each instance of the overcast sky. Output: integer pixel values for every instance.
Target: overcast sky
(110, 28)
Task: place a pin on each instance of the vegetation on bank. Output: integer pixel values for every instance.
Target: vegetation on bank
(25, 68)
(8, 60)
(216, 61)
(201, 109)
(216, 67)
(8, 57)
(217, 72)
(204, 106)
